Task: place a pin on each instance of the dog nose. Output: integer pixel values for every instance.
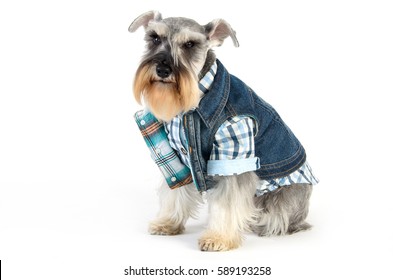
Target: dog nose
(163, 70)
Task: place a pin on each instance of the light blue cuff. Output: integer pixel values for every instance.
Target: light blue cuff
(226, 167)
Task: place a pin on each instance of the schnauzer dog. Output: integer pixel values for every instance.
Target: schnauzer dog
(214, 139)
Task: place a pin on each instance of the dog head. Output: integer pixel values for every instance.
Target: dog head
(178, 53)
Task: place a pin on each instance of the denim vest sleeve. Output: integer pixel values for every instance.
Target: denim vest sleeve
(176, 174)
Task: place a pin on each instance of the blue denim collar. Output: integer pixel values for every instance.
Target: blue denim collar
(215, 99)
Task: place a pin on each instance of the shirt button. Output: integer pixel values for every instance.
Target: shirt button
(158, 151)
(183, 151)
(173, 179)
(143, 122)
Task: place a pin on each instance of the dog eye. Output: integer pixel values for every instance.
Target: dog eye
(156, 39)
(189, 44)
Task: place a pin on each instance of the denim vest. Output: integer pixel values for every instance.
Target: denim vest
(279, 151)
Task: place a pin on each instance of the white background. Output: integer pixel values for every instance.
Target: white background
(77, 185)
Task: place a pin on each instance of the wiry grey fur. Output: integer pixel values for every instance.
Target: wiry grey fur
(233, 207)
(283, 211)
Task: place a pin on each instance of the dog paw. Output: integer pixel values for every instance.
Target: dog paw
(165, 228)
(214, 242)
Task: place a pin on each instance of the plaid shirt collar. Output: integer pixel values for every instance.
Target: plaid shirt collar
(207, 80)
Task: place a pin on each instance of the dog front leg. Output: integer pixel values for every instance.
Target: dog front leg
(176, 206)
(231, 211)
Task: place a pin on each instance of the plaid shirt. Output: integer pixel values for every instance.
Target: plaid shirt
(232, 152)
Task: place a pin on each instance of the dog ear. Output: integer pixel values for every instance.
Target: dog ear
(144, 19)
(218, 30)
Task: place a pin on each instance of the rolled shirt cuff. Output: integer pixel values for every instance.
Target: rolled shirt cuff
(227, 167)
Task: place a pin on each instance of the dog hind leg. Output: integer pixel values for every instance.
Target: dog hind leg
(283, 211)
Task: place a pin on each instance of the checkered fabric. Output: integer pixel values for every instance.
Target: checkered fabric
(303, 175)
(233, 149)
(175, 172)
(207, 80)
(177, 138)
(234, 139)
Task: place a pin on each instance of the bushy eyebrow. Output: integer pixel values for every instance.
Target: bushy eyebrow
(159, 28)
(187, 35)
